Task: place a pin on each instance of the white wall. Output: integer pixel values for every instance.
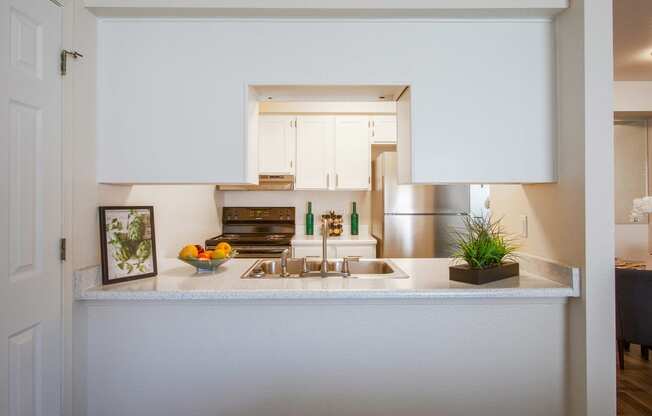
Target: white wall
(183, 214)
(633, 96)
(572, 221)
(319, 358)
(632, 242)
(485, 68)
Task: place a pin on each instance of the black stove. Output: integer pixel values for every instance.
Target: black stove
(256, 231)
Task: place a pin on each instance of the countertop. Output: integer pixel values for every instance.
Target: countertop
(347, 239)
(428, 280)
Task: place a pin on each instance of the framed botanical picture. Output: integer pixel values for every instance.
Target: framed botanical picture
(127, 243)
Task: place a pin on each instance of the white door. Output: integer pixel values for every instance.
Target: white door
(352, 153)
(315, 136)
(383, 129)
(276, 145)
(30, 208)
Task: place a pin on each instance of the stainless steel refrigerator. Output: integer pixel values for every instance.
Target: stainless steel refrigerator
(414, 220)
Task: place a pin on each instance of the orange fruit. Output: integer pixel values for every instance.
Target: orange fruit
(189, 252)
(204, 256)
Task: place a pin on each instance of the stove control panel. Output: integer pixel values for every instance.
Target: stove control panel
(257, 214)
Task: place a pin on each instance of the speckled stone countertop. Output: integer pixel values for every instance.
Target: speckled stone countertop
(428, 279)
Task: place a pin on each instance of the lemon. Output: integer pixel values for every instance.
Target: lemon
(189, 252)
(224, 247)
(219, 254)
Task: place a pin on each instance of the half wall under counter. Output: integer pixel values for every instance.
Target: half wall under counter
(428, 279)
(334, 346)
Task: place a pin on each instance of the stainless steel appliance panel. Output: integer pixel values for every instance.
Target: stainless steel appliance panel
(416, 199)
(419, 235)
(403, 199)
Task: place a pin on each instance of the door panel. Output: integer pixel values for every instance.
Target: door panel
(276, 145)
(30, 209)
(409, 236)
(352, 153)
(315, 136)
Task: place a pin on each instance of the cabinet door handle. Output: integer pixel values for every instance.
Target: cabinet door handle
(290, 164)
(337, 180)
(328, 180)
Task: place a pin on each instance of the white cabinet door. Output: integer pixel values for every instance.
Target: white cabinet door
(276, 141)
(352, 153)
(364, 251)
(315, 137)
(383, 129)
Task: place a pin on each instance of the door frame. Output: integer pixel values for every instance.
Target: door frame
(67, 140)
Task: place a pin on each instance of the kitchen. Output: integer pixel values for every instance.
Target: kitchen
(229, 142)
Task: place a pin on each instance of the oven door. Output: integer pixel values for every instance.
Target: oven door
(260, 251)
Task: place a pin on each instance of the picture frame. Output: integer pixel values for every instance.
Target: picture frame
(127, 243)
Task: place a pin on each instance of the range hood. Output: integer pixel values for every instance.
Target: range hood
(265, 183)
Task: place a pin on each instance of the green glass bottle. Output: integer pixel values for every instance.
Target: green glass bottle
(310, 220)
(354, 220)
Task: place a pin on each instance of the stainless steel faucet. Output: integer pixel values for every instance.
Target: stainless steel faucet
(324, 247)
(284, 263)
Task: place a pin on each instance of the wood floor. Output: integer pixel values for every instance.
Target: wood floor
(635, 385)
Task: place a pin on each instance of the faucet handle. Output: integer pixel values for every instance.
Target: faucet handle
(345, 264)
(305, 262)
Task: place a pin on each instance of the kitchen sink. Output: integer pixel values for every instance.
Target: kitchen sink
(365, 268)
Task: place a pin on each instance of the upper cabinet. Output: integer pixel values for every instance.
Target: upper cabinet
(352, 153)
(383, 129)
(315, 137)
(332, 152)
(276, 145)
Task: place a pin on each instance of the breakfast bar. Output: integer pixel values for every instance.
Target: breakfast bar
(426, 279)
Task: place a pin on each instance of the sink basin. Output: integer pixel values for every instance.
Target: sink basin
(366, 268)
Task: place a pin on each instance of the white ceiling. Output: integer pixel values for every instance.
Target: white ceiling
(633, 40)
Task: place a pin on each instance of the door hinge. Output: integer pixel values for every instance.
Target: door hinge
(64, 59)
(62, 249)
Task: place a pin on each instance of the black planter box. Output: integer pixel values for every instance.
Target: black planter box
(465, 274)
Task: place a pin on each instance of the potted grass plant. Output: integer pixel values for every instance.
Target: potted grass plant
(484, 252)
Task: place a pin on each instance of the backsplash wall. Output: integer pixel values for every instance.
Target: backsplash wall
(322, 202)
